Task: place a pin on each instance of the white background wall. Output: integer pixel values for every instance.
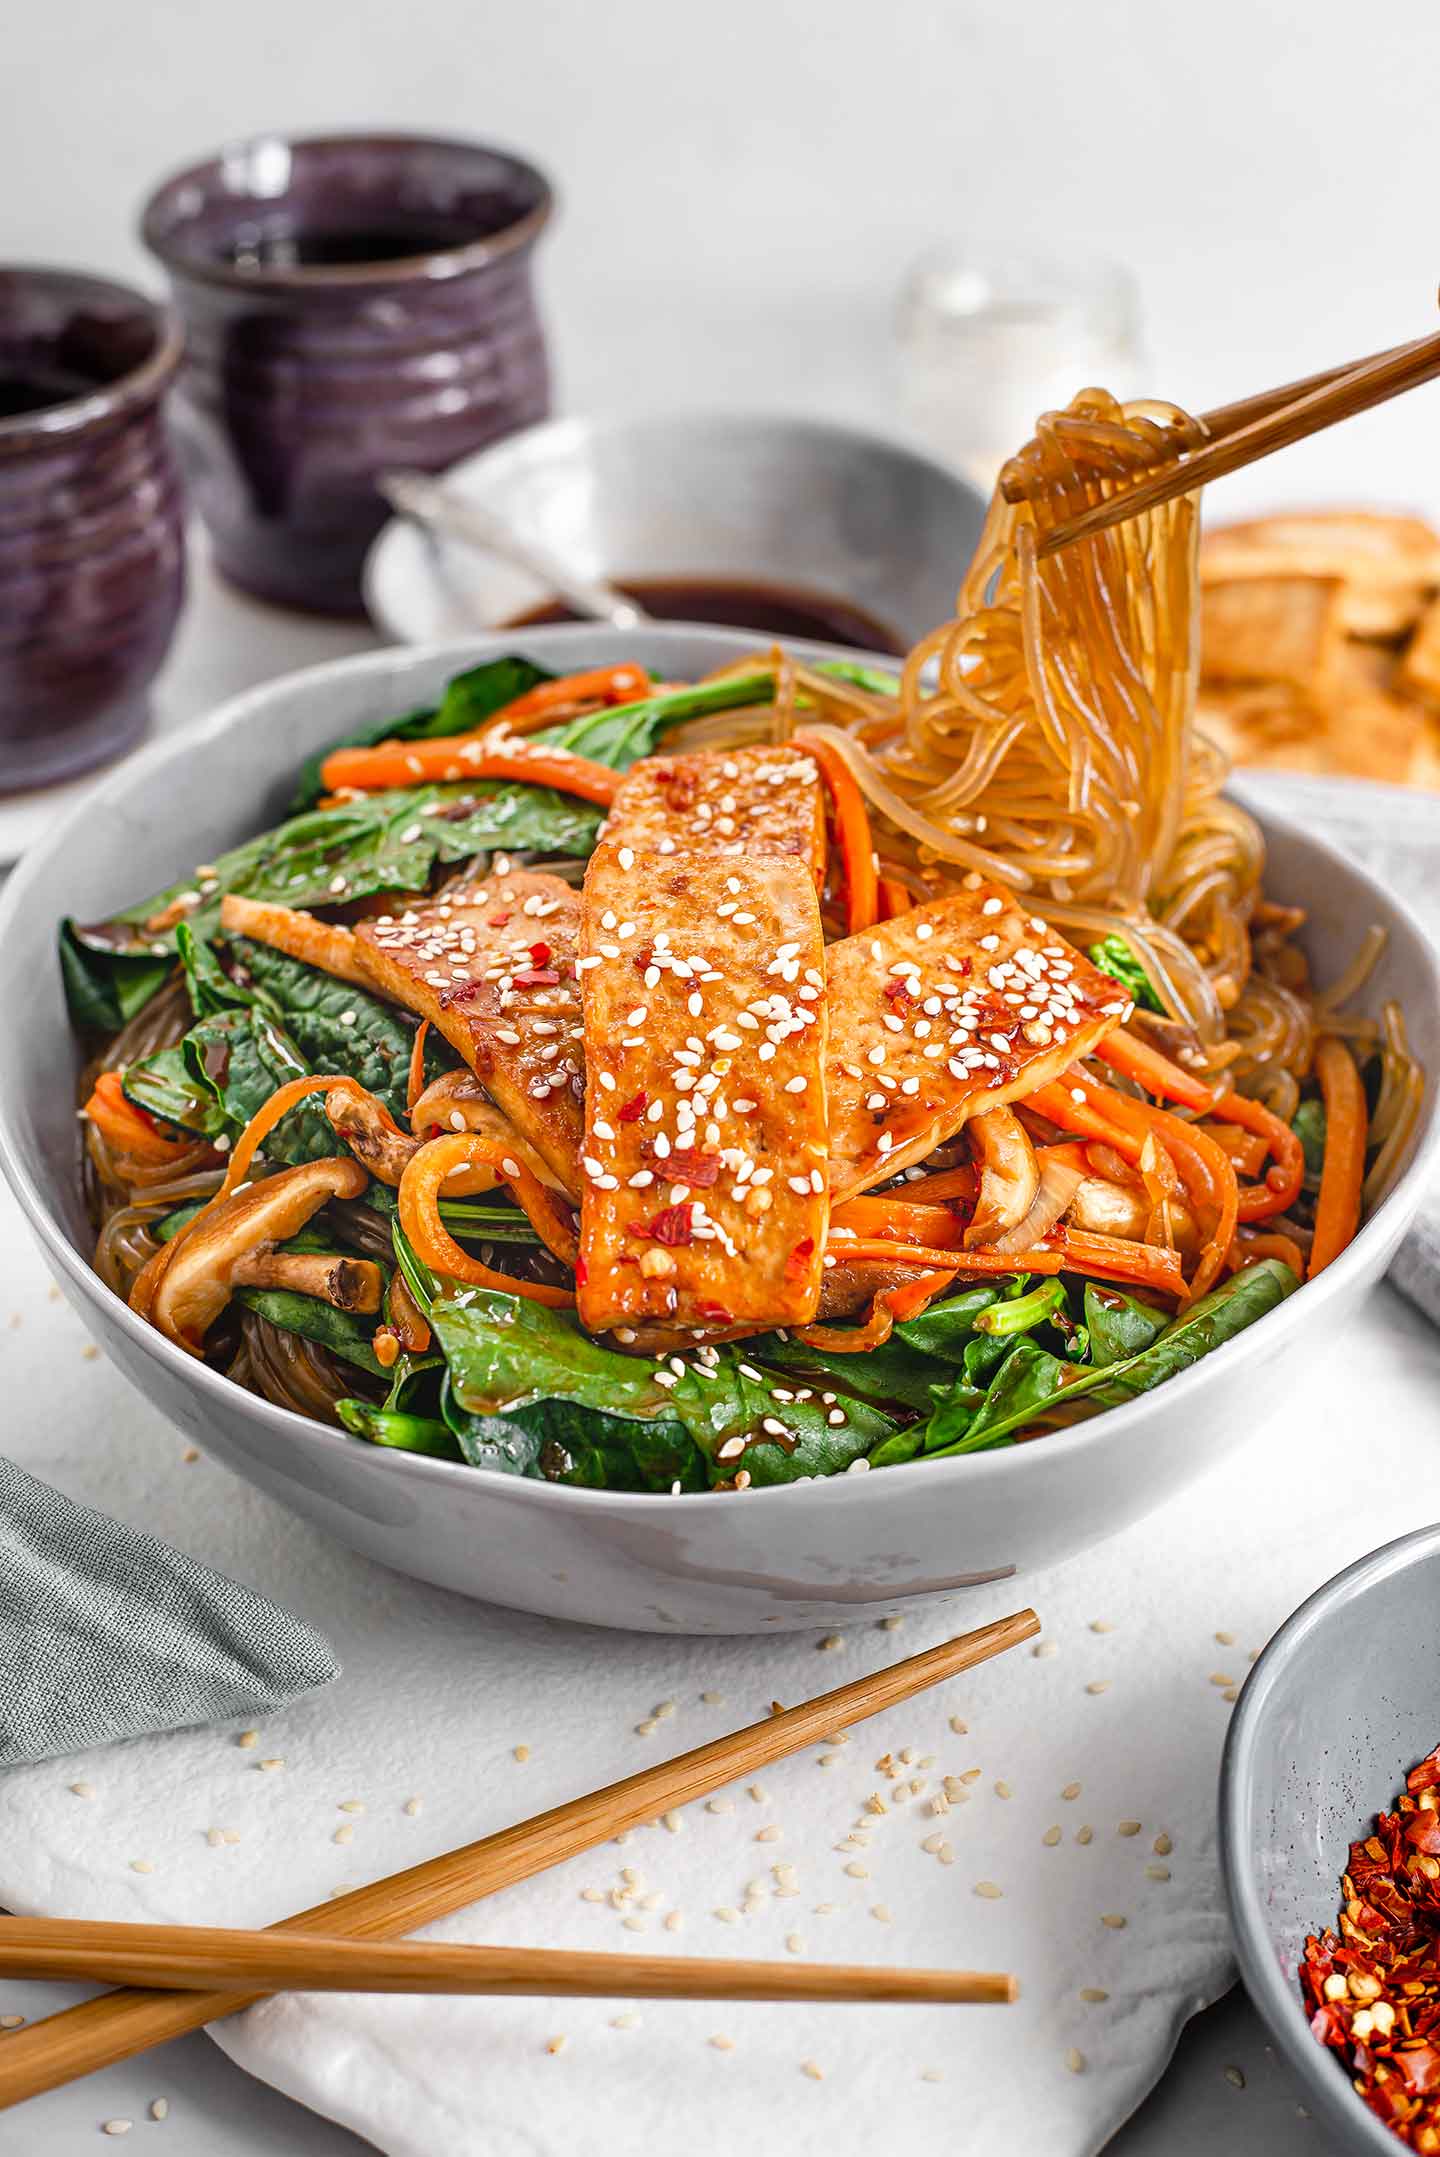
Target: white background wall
(744, 183)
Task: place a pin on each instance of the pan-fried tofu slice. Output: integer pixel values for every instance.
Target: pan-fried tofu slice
(1270, 629)
(492, 965)
(731, 802)
(704, 1203)
(946, 1011)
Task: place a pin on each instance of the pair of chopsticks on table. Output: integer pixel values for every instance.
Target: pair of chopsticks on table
(178, 1978)
(1239, 434)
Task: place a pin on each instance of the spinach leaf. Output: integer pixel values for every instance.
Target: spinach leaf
(469, 700)
(506, 1354)
(106, 987)
(1208, 1324)
(623, 733)
(946, 1329)
(344, 1333)
(1308, 1124)
(334, 1025)
(392, 1427)
(1114, 957)
(164, 1085)
(1119, 1324)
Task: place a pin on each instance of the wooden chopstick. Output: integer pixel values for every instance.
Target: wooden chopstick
(209, 1958)
(117, 2025)
(1252, 428)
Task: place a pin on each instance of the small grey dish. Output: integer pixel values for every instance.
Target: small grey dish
(799, 1555)
(1327, 1726)
(795, 503)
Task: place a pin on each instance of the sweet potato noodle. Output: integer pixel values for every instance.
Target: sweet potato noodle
(1047, 735)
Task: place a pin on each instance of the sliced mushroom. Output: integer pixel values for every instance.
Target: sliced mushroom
(458, 1102)
(347, 1284)
(198, 1282)
(1115, 1209)
(365, 1126)
(1009, 1175)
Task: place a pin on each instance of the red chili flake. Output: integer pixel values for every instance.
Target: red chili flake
(799, 1258)
(1372, 1985)
(967, 967)
(642, 959)
(715, 1314)
(540, 954)
(895, 992)
(672, 1225)
(582, 1273)
(699, 1170)
(535, 977)
(498, 921)
(634, 1108)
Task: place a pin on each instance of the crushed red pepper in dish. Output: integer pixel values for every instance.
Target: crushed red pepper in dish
(1373, 1985)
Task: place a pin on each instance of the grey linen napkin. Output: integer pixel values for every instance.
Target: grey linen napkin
(106, 1633)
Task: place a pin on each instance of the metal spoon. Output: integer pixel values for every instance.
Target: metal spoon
(446, 515)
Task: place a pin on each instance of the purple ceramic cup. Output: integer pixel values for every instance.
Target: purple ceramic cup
(91, 538)
(351, 302)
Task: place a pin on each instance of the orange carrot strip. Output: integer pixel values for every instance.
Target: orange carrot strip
(1136, 1059)
(894, 897)
(622, 684)
(885, 1250)
(852, 829)
(887, 1309)
(415, 1083)
(1249, 1250)
(130, 1128)
(1112, 1258)
(891, 1217)
(435, 1165)
(1342, 1173)
(1247, 1149)
(1258, 1201)
(1058, 1104)
(1208, 1175)
(411, 763)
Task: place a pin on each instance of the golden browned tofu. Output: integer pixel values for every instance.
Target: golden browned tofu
(704, 1205)
(731, 802)
(492, 965)
(946, 1011)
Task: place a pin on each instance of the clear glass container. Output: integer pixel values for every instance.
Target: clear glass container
(986, 344)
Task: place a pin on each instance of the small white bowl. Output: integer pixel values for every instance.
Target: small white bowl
(799, 1555)
(795, 503)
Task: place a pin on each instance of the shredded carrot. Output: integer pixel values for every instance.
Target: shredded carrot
(1248, 1250)
(1058, 1103)
(878, 1249)
(1112, 1258)
(1137, 1060)
(1258, 1201)
(1342, 1173)
(454, 1160)
(894, 897)
(852, 830)
(411, 763)
(1068, 1155)
(1247, 1149)
(894, 1217)
(128, 1128)
(622, 684)
(888, 1308)
(1208, 1175)
(415, 1083)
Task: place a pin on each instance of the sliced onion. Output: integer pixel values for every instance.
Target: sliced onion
(1058, 1184)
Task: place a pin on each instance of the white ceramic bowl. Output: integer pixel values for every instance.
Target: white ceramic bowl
(783, 501)
(800, 1555)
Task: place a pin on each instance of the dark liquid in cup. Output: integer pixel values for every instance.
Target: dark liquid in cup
(344, 249)
(780, 610)
(38, 387)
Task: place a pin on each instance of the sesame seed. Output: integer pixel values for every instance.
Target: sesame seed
(813, 2069)
(117, 2127)
(557, 2044)
(988, 1891)
(141, 1864)
(723, 2044)
(1114, 1921)
(1098, 1685)
(1162, 1846)
(1084, 1835)
(1093, 1994)
(1128, 1827)
(1050, 1837)
(344, 1834)
(1075, 2061)
(83, 1790)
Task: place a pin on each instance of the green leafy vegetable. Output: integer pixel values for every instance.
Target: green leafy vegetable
(1308, 1124)
(104, 987)
(1114, 957)
(344, 1333)
(1119, 1324)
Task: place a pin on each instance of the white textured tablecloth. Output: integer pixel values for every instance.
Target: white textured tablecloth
(1120, 1722)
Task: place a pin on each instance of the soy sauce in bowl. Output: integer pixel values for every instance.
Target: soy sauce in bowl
(773, 610)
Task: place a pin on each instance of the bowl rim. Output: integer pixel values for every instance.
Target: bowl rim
(248, 706)
(429, 266)
(571, 436)
(1275, 1995)
(142, 385)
